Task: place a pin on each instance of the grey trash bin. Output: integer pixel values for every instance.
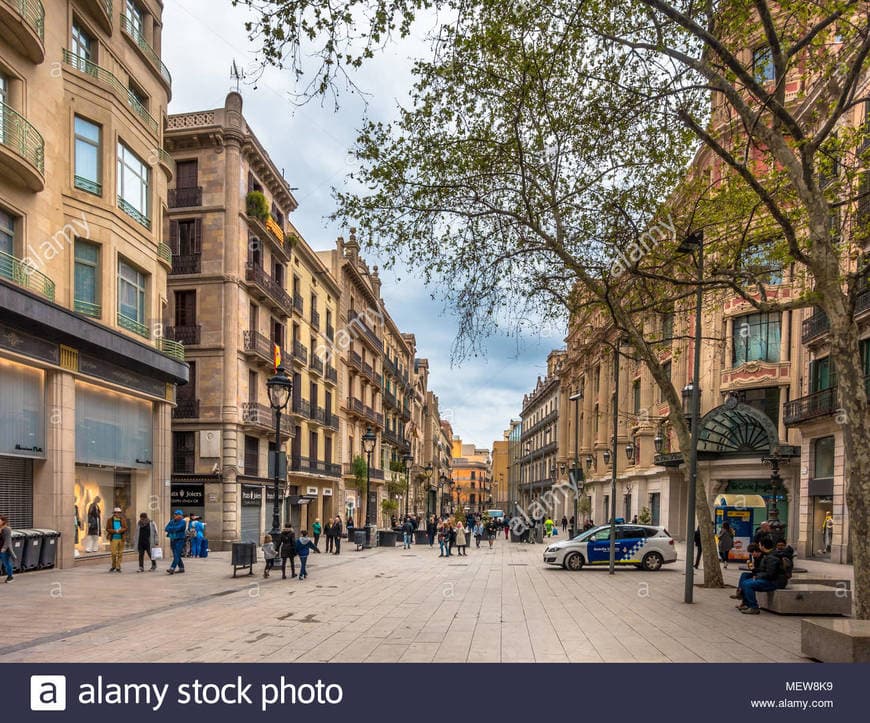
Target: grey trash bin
(48, 551)
(359, 538)
(387, 538)
(32, 548)
(18, 540)
(244, 554)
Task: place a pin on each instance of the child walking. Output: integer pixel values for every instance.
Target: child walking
(269, 554)
(303, 546)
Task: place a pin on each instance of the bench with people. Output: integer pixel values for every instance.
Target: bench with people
(771, 570)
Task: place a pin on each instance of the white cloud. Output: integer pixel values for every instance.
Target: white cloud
(311, 145)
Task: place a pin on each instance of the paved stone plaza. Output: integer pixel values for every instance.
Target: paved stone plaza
(380, 605)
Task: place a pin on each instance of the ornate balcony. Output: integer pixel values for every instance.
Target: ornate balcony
(815, 327)
(185, 264)
(302, 407)
(862, 303)
(137, 327)
(261, 418)
(315, 320)
(121, 91)
(356, 321)
(186, 409)
(355, 406)
(22, 23)
(167, 161)
(187, 335)
(331, 420)
(300, 352)
(22, 149)
(307, 465)
(260, 347)
(129, 27)
(812, 406)
(24, 275)
(298, 304)
(134, 213)
(170, 347)
(267, 289)
(355, 360)
(88, 308)
(316, 364)
(331, 375)
(185, 197)
(164, 254)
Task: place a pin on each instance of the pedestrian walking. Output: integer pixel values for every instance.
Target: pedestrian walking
(269, 555)
(407, 533)
(317, 529)
(197, 526)
(697, 547)
(95, 521)
(146, 539)
(490, 532)
(431, 530)
(564, 523)
(327, 533)
(303, 546)
(442, 540)
(451, 538)
(116, 528)
(336, 535)
(726, 542)
(461, 540)
(287, 549)
(478, 532)
(507, 528)
(7, 552)
(176, 529)
(548, 527)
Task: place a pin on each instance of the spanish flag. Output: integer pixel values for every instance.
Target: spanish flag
(277, 356)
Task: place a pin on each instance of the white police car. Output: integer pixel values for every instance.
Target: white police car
(644, 546)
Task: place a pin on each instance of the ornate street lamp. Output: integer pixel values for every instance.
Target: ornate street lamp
(369, 439)
(407, 459)
(606, 455)
(659, 441)
(629, 451)
(590, 461)
(279, 388)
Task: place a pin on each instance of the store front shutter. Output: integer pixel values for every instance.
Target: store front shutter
(250, 524)
(16, 491)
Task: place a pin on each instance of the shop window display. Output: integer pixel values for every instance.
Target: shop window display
(97, 492)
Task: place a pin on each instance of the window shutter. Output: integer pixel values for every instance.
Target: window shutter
(173, 236)
(197, 236)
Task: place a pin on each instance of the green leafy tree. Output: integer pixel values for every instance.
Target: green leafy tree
(543, 139)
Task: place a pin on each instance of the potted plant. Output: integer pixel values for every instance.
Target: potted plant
(387, 537)
(257, 206)
(644, 516)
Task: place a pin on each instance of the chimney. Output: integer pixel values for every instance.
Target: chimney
(376, 282)
(352, 247)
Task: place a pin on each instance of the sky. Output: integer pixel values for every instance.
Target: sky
(311, 144)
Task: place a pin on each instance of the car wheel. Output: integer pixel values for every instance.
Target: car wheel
(652, 561)
(574, 561)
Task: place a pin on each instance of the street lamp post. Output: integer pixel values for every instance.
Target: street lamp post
(368, 439)
(279, 387)
(576, 470)
(407, 459)
(694, 243)
(428, 472)
(614, 457)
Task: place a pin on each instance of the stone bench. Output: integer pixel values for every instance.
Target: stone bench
(838, 582)
(808, 599)
(836, 641)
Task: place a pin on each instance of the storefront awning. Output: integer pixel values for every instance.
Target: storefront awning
(743, 501)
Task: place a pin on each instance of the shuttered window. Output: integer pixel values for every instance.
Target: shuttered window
(16, 491)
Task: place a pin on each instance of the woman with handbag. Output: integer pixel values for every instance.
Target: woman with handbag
(146, 540)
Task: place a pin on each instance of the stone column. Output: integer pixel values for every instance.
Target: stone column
(53, 480)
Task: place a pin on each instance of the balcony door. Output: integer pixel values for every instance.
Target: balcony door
(185, 309)
(187, 174)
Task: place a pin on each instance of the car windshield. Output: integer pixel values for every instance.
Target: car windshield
(586, 535)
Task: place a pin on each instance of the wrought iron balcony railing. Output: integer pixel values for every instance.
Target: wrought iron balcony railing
(188, 335)
(185, 197)
(129, 27)
(257, 275)
(186, 409)
(24, 275)
(186, 263)
(814, 327)
(17, 134)
(811, 406)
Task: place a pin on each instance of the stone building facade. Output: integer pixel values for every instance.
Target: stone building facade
(87, 381)
(245, 291)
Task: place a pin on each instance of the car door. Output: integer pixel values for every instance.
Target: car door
(598, 551)
(629, 540)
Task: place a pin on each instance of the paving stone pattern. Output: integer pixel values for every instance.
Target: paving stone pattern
(380, 605)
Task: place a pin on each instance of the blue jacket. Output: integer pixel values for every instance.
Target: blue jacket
(303, 545)
(176, 529)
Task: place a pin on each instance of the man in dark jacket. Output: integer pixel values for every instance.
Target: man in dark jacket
(407, 533)
(697, 547)
(327, 533)
(336, 535)
(768, 576)
(431, 530)
(287, 550)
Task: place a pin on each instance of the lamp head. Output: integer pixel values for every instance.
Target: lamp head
(280, 387)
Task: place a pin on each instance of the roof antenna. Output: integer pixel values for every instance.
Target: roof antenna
(237, 74)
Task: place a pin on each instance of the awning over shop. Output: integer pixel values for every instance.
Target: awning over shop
(745, 501)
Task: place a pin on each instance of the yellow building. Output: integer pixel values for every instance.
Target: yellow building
(471, 474)
(86, 377)
(244, 283)
(500, 473)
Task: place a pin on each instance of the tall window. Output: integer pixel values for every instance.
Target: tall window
(252, 456)
(7, 233)
(132, 286)
(135, 20)
(133, 185)
(183, 448)
(667, 368)
(187, 173)
(87, 278)
(185, 308)
(762, 65)
(635, 396)
(668, 326)
(188, 237)
(822, 375)
(83, 47)
(756, 338)
(87, 156)
(823, 458)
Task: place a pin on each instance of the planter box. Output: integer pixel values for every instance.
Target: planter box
(421, 537)
(386, 538)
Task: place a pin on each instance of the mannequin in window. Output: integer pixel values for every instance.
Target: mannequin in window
(95, 515)
(828, 531)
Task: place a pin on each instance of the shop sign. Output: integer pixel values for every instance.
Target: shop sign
(251, 496)
(189, 495)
